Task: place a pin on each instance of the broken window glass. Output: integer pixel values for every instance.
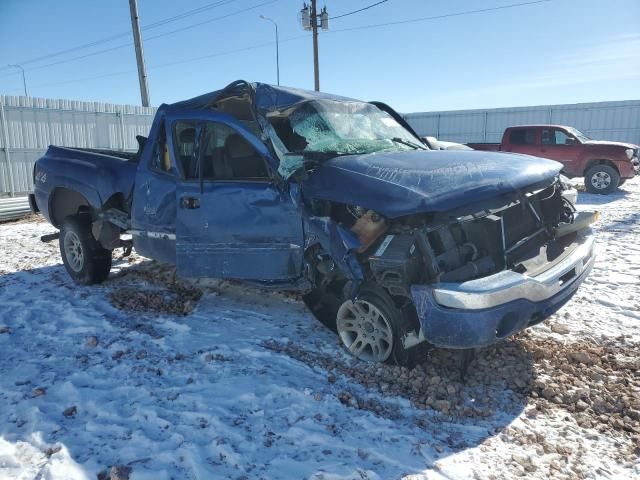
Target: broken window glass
(343, 128)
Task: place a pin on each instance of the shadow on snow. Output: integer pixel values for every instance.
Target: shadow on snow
(239, 382)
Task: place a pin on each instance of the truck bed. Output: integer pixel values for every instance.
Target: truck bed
(96, 175)
(128, 156)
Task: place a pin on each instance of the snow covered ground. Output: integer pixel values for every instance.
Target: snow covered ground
(226, 381)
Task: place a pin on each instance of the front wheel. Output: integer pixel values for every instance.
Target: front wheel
(371, 328)
(601, 179)
(84, 258)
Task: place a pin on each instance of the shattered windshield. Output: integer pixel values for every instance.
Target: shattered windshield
(340, 128)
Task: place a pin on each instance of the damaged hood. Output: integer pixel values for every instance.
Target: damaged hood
(403, 183)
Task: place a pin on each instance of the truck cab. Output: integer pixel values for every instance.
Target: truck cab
(604, 165)
(216, 203)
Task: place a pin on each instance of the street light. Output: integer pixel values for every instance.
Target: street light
(24, 81)
(277, 46)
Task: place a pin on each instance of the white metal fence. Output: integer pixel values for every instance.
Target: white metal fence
(29, 125)
(618, 121)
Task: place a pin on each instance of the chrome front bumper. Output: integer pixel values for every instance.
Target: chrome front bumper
(507, 286)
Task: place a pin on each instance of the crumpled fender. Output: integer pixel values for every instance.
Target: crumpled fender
(338, 242)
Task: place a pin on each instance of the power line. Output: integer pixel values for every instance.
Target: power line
(359, 10)
(438, 17)
(256, 46)
(159, 23)
(153, 37)
(188, 13)
(169, 64)
(193, 25)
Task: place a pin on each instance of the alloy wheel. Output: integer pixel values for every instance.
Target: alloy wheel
(73, 251)
(365, 330)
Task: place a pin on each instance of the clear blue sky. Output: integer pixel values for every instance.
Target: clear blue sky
(561, 51)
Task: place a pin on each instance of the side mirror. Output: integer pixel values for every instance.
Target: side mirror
(571, 141)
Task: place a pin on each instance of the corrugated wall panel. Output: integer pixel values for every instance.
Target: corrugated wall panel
(617, 121)
(32, 124)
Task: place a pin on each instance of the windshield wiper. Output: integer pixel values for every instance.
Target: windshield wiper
(415, 146)
(316, 155)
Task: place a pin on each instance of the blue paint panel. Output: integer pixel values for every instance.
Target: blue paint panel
(95, 176)
(266, 97)
(458, 328)
(242, 230)
(154, 203)
(404, 183)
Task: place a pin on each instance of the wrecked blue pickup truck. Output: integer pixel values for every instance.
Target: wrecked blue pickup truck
(396, 247)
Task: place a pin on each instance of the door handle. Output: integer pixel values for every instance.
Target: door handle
(190, 202)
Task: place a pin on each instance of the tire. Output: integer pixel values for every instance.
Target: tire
(621, 182)
(371, 328)
(84, 258)
(324, 305)
(601, 179)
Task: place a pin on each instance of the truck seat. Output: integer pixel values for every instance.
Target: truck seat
(243, 159)
(216, 165)
(187, 143)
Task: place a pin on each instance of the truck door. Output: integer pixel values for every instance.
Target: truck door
(522, 140)
(234, 218)
(559, 145)
(153, 213)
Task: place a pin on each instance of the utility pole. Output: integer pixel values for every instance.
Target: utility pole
(316, 65)
(312, 21)
(24, 80)
(142, 72)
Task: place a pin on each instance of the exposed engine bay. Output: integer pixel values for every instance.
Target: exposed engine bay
(521, 235)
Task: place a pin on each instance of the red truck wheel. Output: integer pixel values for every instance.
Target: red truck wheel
(601, 179)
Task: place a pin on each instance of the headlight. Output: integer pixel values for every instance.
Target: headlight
(629, 152)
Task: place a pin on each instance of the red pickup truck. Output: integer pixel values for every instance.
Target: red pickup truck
(604, 165)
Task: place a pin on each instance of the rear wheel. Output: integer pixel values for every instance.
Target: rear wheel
(601, 179)
(84, 258)
(371, 328)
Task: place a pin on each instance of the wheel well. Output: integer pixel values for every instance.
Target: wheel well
(602, 161)
(116, 201)
(65, 202)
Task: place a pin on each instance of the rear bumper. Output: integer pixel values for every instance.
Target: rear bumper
(480, 312)
(33, 204)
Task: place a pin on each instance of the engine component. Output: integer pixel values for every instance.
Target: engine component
(396, 264)
(457, 256)
(356, 210)
(488, 237)
(470, 270)
(368, 228)
(325, 264)
(428, 255)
